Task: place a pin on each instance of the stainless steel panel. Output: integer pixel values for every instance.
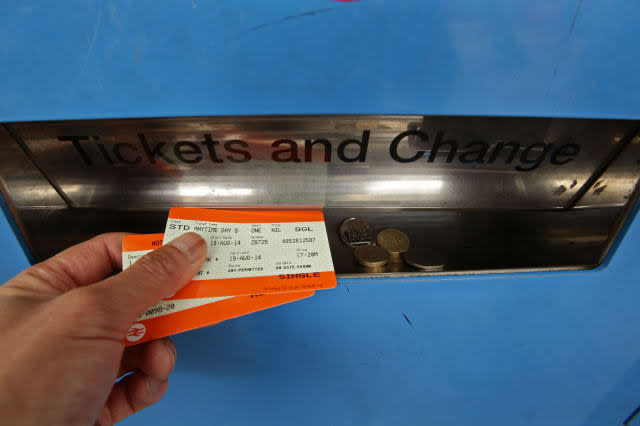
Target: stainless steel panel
(24, 185)
(471, 241)
(615, 186)
(485, 193)
(456, 162)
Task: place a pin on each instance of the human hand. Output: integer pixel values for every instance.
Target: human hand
(63, 325)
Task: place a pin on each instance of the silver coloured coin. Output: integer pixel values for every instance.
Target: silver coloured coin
(356, 232)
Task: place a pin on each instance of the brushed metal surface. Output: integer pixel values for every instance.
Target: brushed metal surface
(155, 163)
(472, 241)
(616, 185)
(488, 193)
(24, 185)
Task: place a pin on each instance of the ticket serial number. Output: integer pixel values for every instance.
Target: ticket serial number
(157, 309)
(298, 240)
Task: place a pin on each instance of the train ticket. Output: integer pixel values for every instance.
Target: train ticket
(182, 313)
(257, 252)
(137, 245)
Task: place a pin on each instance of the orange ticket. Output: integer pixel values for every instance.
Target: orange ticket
(256, 252)
(177, 313)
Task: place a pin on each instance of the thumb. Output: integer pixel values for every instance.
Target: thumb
(154, 276)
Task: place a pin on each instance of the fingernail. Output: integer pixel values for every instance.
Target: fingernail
(192, 245)
(154, 386)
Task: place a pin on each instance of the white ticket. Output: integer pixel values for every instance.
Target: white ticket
(290, 248)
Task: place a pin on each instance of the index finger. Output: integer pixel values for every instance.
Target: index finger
(83, 264)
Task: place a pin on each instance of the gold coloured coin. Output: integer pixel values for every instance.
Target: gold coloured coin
(377, 270)
(425, 260)
(356, 232)
(389, 267)
(394, 241)
(371, 256)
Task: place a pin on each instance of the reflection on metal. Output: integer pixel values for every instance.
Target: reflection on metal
(486, 193)
(615, 186)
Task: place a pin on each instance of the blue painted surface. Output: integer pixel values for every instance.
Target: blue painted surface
(192, 57)
(535, 350)
(13, 258)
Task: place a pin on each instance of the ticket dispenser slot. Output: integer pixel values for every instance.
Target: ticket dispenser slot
(474, 194)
